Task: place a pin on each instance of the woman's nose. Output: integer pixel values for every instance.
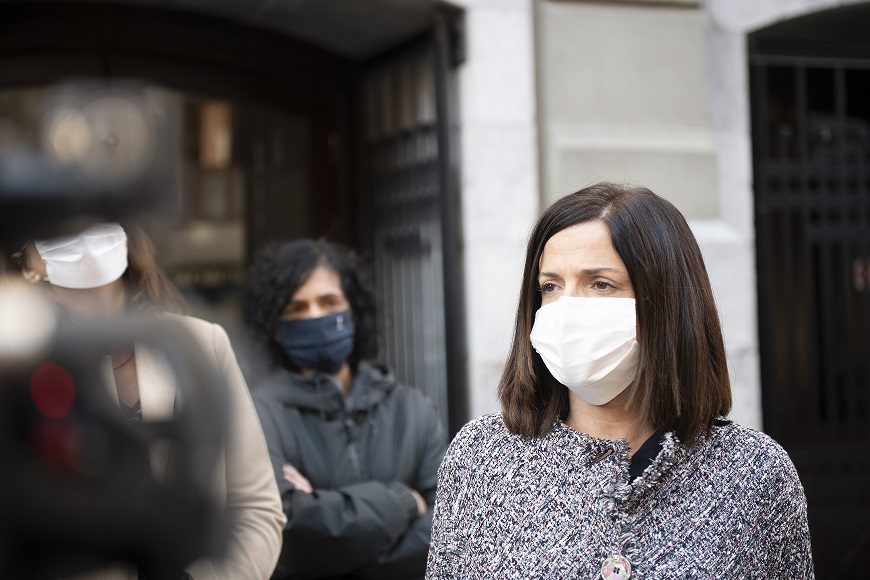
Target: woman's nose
(314, 311)
(573, 290)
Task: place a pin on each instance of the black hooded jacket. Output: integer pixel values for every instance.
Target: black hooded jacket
(362, 457)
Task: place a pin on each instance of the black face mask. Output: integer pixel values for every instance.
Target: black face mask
(322, 344)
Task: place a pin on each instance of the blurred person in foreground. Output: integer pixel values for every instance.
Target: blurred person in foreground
(611, 457)
(355, 454)
(107, 270)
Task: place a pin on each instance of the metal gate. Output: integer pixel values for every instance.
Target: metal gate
(811, 148)
(412, 222)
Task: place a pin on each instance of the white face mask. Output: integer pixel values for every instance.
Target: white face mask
(589, 345)
(91, 259)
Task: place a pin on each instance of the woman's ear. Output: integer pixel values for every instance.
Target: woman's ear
(31, 275)
(32, 265)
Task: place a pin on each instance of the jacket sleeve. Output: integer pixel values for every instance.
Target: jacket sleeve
(253, 506)
(434, 445)
(333, 532)
(792, 551)
(407, 559)
(445, 551)
(790, 555)
(780, 546)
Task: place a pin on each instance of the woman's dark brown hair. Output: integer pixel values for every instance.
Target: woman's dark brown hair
(147, 285)
(682, 380)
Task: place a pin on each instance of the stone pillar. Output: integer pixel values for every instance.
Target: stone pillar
(500, 199)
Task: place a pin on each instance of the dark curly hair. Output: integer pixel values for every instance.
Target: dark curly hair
(279, 271)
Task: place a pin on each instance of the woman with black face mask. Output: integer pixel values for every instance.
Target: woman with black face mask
(355, 454)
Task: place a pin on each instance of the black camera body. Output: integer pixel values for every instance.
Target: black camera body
(100, 150)
(78, 490)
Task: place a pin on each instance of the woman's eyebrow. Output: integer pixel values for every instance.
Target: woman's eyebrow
(585, 271)
(594, 271)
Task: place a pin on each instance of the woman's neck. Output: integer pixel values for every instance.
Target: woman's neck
(617, 419)
(105, 300)
(345, 379)
(344, 376)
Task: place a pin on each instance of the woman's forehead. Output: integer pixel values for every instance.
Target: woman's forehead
(585, 246)
(321, 281)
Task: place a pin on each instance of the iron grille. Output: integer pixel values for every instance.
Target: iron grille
(411, 222)
(811, 142)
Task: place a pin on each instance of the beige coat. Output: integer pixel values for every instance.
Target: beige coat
(244, 475)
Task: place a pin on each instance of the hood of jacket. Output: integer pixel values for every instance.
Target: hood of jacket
(321, 392)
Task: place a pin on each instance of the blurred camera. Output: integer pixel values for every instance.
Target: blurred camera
(100, 150)
(80, 490)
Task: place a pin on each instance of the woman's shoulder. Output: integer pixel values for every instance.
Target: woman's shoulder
(484, 432)
(747, 442)
(202, 330)
(269, 388)
(485, 427)
(280, 388)
(755, 454)
(485, 453)
(380, 384)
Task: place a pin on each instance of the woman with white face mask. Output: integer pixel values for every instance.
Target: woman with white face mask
(611, 457)
(106, 270)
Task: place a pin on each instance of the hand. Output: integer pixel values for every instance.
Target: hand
(298, 480)
(421, 503)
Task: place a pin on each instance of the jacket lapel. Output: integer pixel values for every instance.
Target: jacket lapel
(157, 394)
(109, 378)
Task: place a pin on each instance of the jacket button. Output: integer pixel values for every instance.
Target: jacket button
(616, 567)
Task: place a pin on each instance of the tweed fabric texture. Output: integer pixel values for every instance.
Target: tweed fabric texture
(557, 506)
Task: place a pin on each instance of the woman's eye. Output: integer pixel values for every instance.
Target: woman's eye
(602, 285)
(547, 288)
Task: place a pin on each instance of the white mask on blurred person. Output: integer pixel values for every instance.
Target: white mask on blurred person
(93, 258)
(589, 345)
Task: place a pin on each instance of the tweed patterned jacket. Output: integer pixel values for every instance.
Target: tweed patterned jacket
(558, 506)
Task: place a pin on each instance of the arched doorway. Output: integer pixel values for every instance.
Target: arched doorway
(251, 117)
(810, 90)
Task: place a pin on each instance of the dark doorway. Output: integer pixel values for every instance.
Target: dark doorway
(274, 142)
(255, 119)
(810, 88)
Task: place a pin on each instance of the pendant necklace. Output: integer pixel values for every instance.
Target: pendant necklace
(123, 362)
